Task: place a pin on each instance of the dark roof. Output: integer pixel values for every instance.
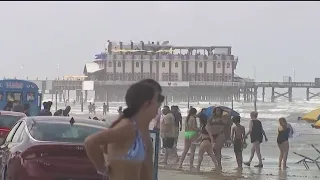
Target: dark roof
(58, 119)
(11, 113)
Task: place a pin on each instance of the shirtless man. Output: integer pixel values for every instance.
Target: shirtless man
(238, 137)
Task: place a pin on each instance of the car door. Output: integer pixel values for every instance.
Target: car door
(4, 147)
(13, 161)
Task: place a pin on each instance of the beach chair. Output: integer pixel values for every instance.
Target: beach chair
(305, 160)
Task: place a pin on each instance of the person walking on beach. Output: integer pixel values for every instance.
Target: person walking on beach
(190, 133)
(168, 133)
(283, 142)
(205, 146)
(127, 142)
(256, 133)
(238, 137)
(215, 127)
(178, 125)
(104, 109)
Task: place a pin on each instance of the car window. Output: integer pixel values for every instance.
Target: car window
(16, 137)
(12, 131)
(7, 121)
(63, 132)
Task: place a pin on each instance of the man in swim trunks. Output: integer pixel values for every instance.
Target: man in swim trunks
(238, 134)
(167, 132)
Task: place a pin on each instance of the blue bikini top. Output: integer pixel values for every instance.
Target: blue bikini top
(137, 150)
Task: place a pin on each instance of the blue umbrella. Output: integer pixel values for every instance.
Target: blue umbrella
(209, 111)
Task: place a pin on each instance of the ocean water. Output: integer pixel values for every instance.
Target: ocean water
(269, 113)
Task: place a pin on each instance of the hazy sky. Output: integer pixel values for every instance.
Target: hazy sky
(273, 37)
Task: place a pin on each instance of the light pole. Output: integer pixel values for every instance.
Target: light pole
(294, 75)
(58, 67)
(254, 74)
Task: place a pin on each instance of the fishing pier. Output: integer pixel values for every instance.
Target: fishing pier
(250, 90)
(181, 90)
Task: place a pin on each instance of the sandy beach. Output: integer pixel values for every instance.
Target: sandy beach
(270, 153)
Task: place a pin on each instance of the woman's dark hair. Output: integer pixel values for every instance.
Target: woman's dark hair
(136, 96)
(192, 111)
(215, 112)
(153, 83)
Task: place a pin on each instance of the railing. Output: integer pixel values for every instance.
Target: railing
(281, 84)
(170, 56)
(224, 84)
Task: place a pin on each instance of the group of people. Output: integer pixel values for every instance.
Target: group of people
(213, 134)
(46, 110)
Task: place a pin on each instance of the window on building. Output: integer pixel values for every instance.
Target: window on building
(176, 64)
(228, 65)
(210, 77)
(163, 64)
(176, 76)
(110, 64)
(137, 64)
(202, 77)
(119, 64)
(200, 64)
(219, 65)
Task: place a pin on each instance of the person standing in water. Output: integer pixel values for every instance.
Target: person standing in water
(205, 145)
(127, 142)
(215, 127)
(178, 125)
(190, 133)
(104, 109)
(256, 133)
(283, 142)
(167, 133)
(238, 138)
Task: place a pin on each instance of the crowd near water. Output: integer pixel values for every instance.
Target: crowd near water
(128, 140)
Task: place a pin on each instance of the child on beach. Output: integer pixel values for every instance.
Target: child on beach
(238, 139)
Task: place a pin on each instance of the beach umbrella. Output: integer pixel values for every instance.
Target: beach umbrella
(312, 116)
(226, 110)
(316, 125)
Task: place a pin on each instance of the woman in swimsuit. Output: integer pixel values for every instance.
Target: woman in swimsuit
(205, 145)
(191, 132)
(127, 142)
(215, 128)
(283, 143)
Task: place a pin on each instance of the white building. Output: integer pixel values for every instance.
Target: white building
(164, 62)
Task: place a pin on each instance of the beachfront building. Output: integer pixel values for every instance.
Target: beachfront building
(202, 73)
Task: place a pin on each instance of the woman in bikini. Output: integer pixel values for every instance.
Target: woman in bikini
(127, 142)
(283, 142)
(205, 145)
(215, 128)
(190, 133)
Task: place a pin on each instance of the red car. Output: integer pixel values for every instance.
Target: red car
(49, 148)
(7, 120)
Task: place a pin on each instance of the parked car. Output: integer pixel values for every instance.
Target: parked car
(50, 148)
(7, 120)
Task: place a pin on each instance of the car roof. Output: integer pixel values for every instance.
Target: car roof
(12, 113)
(57, 119)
